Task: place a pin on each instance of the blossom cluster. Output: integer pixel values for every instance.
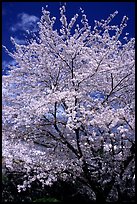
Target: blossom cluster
(54, 126)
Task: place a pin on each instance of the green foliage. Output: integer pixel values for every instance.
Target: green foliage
(4, 178)
(46, 199)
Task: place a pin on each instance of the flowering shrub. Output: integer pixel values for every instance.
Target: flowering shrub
(54, 126)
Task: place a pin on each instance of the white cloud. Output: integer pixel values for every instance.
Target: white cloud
(5, 65)
(26, 22)
(19, 41)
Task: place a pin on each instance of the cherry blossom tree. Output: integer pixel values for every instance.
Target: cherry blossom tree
(68, 106)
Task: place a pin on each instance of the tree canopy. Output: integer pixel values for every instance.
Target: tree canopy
(68, 106)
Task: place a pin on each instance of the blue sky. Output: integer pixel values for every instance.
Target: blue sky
(17, 17)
